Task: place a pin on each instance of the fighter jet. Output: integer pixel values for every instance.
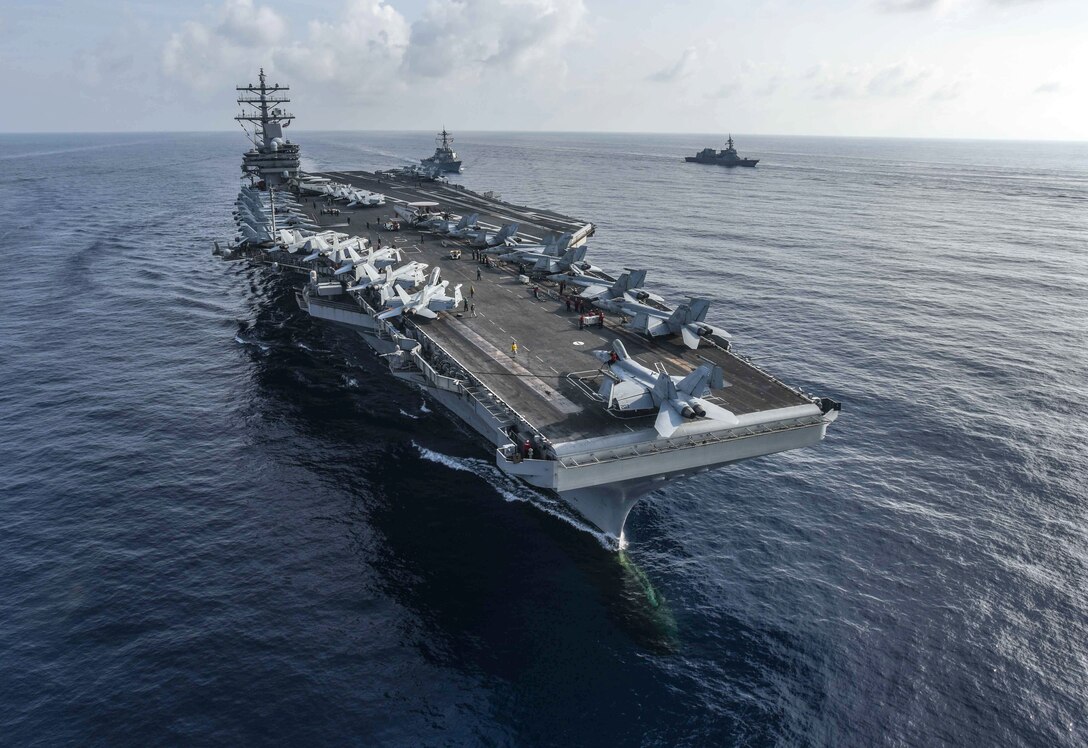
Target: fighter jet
(505, 236)
(454, 228)
(549, 264)
(255, 235)
(426, 302)
(469, 229)
(554, 245)
(294, 240)
(686, 320)
(335, 247)
(597, 287)
(628, 385)
(376, 258)
(362, 198)
(410, 274)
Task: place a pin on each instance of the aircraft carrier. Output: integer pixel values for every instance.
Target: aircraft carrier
(520, 356)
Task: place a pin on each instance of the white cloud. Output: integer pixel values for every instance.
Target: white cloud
(863, 81)
(360, 51)
(896, 80)
(241, 40)
(469, 37)
(369, 47)
(682, 68)
(249, 25)
(906, 6)
(947, 92)
(1048, 88)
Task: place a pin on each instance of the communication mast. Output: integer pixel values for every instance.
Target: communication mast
(273, 160)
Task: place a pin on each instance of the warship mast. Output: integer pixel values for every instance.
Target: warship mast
(273, 160)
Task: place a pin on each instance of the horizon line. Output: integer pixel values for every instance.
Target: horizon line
(975, 138)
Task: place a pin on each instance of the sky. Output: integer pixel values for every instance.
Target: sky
(1010, 69)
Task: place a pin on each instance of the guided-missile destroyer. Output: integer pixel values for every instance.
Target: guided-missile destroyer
(581, 383)
(725, 157)
(444, 158)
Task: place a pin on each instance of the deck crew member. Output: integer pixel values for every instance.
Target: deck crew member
(514, 349)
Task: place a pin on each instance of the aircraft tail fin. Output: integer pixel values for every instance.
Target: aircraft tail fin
(509, 231)
(668, 420)
(664, 388)
(629, 280)
(620, 349)
(571, 256)
(698, 308)
(707, 376)
(402, 294)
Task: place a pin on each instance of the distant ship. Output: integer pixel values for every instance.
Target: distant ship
(728, 157)
(444, 157)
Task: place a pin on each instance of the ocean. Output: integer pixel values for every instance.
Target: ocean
(223, 524)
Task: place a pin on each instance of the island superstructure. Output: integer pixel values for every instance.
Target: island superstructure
(273, 160)
(492, 310)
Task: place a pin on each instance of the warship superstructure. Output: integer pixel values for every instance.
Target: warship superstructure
(273, 160)
(444, 159)
(725, 157)
(580, 383)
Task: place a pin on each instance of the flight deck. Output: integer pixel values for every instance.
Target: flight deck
(554, 376)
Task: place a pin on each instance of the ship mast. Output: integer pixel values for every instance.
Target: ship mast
(260, 107)
(444, 139)
(272, 160)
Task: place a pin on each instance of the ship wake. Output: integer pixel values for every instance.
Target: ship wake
(513, 490)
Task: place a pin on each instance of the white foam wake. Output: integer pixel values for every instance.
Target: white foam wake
(242, 341)
(512, 489)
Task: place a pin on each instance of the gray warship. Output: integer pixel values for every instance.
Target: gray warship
(726, 157)
(444, 157)
(581, 384)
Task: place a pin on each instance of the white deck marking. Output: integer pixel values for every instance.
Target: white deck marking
(541, 388)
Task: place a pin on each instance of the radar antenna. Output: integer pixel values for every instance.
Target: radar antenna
(261, 108)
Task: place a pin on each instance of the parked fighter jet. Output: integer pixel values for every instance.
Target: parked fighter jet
(554, 245)
(410, 274)
(595, 287)
(454, 228)
(335, 247)
(505, 236)
(376, 258)
(686, 320)
(362, 198)
(255, 235)
(549, 264)
(469, 229)
(426, 302)
(628, 385)
(294, 240)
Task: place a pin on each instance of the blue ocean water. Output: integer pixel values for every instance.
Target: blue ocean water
(223, 524)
